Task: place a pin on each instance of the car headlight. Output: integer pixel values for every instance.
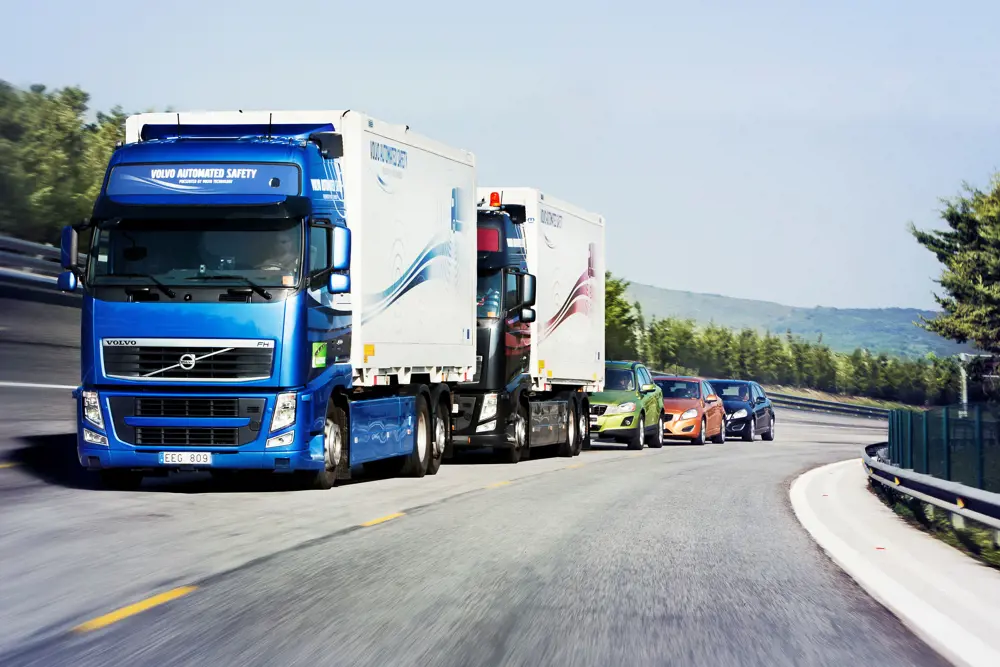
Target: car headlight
(689, 414)
(739, 414)
(92, 409)
(284, 412)
(622, 407)
(489, 407)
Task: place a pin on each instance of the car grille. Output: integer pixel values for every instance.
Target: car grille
(210, 363)
(598, 410)
(172, 436)
(187, 407)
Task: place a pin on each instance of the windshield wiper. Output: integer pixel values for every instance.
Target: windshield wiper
(254, 286)
(163, 288)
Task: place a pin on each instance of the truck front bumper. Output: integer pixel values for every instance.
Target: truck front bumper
(136, 432)
(469, 430)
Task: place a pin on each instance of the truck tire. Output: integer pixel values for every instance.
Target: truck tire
(567, 448)
(638, 440)
(415, 464)
(585, 428)
(335, 437)
(582, 427)
(441, 431)
(521, 432)
(120, 480)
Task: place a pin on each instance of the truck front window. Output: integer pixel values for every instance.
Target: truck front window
(488, 296)
(267, 252)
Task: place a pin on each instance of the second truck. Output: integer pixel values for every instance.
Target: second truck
(539, 327)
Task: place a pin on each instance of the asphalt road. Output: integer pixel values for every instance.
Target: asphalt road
(684, 555)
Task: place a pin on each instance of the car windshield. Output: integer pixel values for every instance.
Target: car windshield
(619, 379)
(184, 252)
(678, 388)
(732, 390)
(488, 295)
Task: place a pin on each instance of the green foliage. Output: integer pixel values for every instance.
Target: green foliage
(52, 160)
(676, 345)
(969, 250)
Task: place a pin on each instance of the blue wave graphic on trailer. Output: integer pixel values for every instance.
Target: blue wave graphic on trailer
(421, 270)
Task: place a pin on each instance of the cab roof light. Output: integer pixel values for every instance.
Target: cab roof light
(494, 199)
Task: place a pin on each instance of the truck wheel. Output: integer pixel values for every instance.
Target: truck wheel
(566, 448)
(639, 437)
(120, 480)
(521, 445)
(441, 430)
(416, 463)
(657, 440)
(582, 430)
(334, 436)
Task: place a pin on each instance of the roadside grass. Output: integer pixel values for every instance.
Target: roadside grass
(839, 398)
(974, 539)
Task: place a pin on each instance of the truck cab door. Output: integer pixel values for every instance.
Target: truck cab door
(517, 334)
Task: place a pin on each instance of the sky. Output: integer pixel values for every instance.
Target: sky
(767, 150)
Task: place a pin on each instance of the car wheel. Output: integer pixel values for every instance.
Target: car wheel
(751, 432)
(639, 437)
(720, 437)
(657, 440)
(769, 433)
(700, 438)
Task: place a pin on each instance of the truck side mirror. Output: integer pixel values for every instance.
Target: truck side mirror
(69, 248)
(338, 283)
(331, 144)
(341, 260)
(527, 288)
(67, 281)
(527, 315)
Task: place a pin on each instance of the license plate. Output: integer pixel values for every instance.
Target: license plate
(186, 458)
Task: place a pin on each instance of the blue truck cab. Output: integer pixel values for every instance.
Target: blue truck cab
(214, 333)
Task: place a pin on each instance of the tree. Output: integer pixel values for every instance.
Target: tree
(970, 253)
(619, 320)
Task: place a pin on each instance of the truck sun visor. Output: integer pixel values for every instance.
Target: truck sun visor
(488, 240)
(204, 179)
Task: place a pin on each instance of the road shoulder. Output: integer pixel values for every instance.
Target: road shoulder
(945, 597)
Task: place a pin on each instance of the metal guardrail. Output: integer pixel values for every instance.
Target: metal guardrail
(973, 504)
(802, 403)
(30, 257)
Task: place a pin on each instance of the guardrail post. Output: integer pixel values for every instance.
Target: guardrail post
(909, 439)
(927, 445)
(979, 447)
(946, 443)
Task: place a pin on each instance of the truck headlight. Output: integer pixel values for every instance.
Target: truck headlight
(689, 414)
(739, 414)
(282, 440)
(92, 409)
(622, 408)
(284, 412)
(94, 438)
(489, 407)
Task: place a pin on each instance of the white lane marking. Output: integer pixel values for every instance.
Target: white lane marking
(950, 639)
(33, 385)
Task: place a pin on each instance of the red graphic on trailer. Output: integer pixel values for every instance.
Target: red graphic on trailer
(579, 299)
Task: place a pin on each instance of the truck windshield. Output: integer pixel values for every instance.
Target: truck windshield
(181, 252)
(488, 294)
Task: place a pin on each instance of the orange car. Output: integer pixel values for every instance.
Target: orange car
(691, 409)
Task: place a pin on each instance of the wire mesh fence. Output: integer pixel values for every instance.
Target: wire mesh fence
(957, 443)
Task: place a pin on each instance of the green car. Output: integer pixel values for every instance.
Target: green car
(630, 408)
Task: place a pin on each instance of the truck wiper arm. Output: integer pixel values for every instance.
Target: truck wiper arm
(163, 288)
(254, 286)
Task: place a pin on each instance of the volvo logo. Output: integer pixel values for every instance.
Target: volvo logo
(120, 342)
(187, 361)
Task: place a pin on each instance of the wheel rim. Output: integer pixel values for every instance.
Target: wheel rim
(440, 433)
(752, 431)
(582, 425)
(421, 436)
(722, 431)
(702, 437)
(659, 430)
(333, 445)
(571, 431)
(771, 427)
(642, 431)
(519, 431)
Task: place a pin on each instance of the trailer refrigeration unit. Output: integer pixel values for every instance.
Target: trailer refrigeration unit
(540, 326)
(282, 291)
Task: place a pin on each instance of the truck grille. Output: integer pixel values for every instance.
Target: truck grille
(598, 409)
(187, 407)
(199, 363)
(172, 436)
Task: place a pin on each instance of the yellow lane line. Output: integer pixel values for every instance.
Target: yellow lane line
(575, 465)
(497, 485)
(7, 465)
(133, 609)
(382, 519)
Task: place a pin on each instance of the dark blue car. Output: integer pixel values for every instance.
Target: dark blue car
(749, 411)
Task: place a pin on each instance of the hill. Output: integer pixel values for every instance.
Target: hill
(890, 330)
